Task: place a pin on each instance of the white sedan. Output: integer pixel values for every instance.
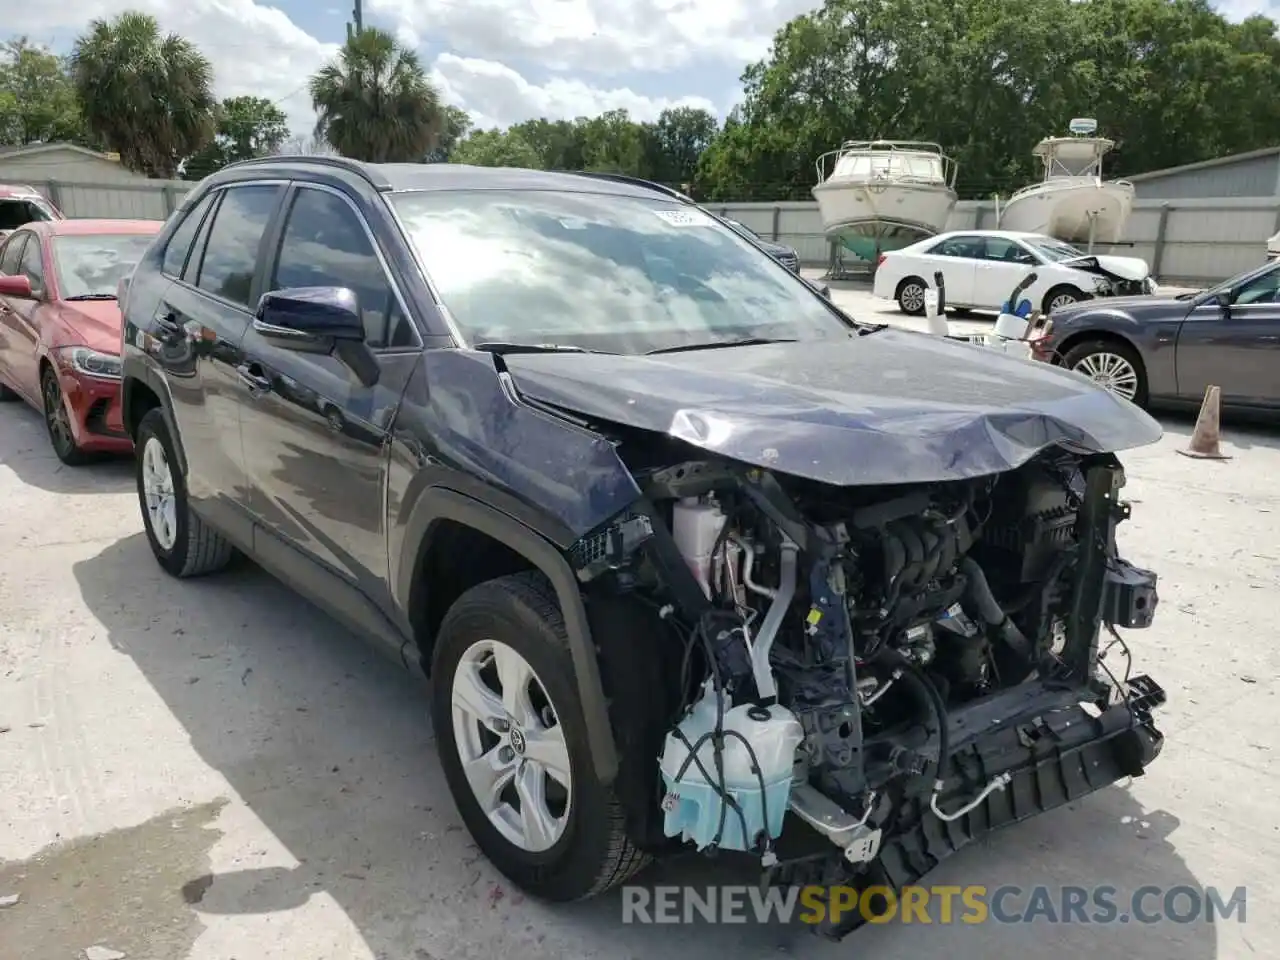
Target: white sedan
(982, 267)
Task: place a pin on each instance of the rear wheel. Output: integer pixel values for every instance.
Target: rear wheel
(58, 421)
(911, 296)
(7, 395)
(513, 744)
(182, 542)
(1110, 364)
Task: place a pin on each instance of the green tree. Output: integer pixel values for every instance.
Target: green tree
(375, 103)
(145, 95)
(496, 148)
(454, 126)
(558, 143)
(38, 102)
(676, 142)
(247, 127)
(1169, 80)
(612, 143)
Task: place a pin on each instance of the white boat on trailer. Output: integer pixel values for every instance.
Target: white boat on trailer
(875, 195)
(1072, 203)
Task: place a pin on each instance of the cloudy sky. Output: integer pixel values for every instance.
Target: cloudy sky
(502, 60)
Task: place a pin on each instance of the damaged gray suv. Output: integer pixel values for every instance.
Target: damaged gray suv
(688, 557)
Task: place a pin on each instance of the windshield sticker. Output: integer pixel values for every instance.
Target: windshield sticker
(684, 218)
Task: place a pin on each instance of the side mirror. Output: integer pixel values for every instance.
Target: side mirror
(307, 318)
(16, 286)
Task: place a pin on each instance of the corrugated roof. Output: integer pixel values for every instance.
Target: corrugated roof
(1206, 164)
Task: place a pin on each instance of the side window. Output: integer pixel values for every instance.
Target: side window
(231, 252)
(12, 255)
(325, 245)
(970, 247)
(175, 254)
(1263, 289)
(33, 265)
(1004, 250)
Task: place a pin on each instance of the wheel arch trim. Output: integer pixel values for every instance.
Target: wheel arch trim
(135, 368)
(436, 504)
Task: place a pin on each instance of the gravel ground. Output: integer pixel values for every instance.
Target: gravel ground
(214, 770)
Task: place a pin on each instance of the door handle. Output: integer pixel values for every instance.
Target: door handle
(168, 323)
(251, 376)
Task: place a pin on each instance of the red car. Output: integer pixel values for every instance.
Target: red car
(60, 327)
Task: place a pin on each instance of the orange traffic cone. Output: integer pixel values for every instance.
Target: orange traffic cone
(1206, 439)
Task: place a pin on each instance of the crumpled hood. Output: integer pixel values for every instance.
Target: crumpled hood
(889, 407)
(1126, 268)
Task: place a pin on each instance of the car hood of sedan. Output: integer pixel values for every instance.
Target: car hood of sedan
(1126, 268)
(93, 323)
(891, 406)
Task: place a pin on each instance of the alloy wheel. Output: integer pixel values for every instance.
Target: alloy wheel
(1112, 371)
(55, 415)
(511, 745)
(157, 489)
(912, 297)
(1062, 300)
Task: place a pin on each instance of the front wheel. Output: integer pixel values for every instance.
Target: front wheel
(183, 544)
(1062, 296)
(58, 421)
(513, 744)
(1113, 365)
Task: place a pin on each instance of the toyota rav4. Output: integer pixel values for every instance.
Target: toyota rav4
(688, 556)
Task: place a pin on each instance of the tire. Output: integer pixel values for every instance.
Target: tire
(185, 546)
(910, 296)
(587, 850)
(1061, 296)
(1110, 363)
(57, 421)
(7, 395)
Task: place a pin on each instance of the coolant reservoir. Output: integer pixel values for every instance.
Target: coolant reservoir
(693, 804)
(695, 527)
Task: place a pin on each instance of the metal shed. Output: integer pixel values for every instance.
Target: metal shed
(1252, 174)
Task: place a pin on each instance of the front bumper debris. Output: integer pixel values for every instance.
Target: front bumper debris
(1057, 748)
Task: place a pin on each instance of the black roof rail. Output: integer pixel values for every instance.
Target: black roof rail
(377, 181)
(635, 182)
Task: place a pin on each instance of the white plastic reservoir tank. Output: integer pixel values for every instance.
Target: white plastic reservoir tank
(693, 803)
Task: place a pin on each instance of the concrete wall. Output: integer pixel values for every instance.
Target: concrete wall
(1185, 241)
(1247, 177)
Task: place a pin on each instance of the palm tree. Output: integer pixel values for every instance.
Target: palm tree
(374, 101)
(145, 95)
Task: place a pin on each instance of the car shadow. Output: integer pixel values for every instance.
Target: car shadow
(331, 749)
(25, 449)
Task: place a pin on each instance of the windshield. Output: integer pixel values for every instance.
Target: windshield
(1053, 250)
(93, 264)
(603, 272)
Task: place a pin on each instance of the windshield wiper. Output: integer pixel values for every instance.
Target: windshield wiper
(91, 296)
(716, 344)
(502, 347)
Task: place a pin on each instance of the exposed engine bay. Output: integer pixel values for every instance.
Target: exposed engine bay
(897, 668)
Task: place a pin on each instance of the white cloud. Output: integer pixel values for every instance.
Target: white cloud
(255, 49)
(600, 36)
(496, 95)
